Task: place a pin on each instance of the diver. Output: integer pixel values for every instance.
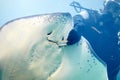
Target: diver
(101, 30)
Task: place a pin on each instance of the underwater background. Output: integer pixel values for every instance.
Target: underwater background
(13, 9)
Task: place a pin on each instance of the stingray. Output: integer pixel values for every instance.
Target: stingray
(29, 50)
(26, 54)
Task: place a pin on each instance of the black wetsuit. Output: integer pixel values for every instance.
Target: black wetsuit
(104, 40)
(105, 43)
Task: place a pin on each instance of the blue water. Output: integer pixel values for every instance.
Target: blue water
(12, 9)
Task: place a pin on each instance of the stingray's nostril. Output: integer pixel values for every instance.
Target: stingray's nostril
(49, 33)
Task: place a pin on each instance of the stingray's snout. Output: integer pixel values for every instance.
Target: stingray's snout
(59, 30)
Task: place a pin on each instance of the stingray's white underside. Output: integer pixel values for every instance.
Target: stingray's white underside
(26, 54)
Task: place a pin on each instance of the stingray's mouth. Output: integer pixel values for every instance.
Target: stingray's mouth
(56, 42)
(61, 43)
